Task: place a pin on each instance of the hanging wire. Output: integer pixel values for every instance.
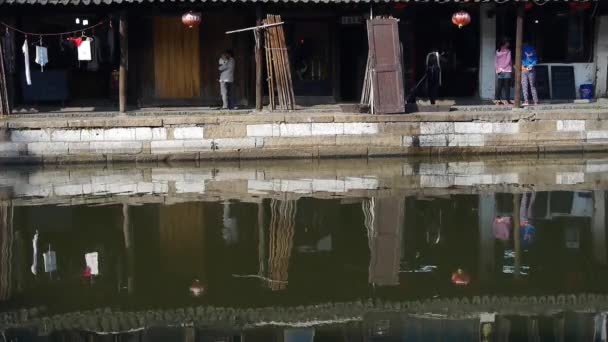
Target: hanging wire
(9, 27)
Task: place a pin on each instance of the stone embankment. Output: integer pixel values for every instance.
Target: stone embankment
(299, 135)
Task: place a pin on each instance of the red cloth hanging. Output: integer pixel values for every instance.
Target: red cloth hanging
(76, 41)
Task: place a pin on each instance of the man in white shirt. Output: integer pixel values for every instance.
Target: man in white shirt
(226, 79)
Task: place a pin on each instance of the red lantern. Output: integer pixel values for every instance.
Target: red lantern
(529, 6)
(461, 19)
(400, 5)
(197, 289)
(460, 278)
(582, 6)
(191, 19)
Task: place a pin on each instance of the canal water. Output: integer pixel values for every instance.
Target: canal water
(501, 248)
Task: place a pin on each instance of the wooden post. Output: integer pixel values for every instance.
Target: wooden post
(124, 58)
(518, 52)
(258, 60)
(128, 239)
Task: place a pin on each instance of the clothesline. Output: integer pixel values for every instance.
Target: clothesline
(34, 34)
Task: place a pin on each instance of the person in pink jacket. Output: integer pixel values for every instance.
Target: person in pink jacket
(504, 71)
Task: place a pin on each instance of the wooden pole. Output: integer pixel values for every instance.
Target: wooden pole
(516, 233)
(518, 52)
(258, 60)
(4, 101)
(124, 58)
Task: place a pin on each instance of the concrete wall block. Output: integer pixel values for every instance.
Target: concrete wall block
(92, 135)
(263, 130)
(143, 133)
(472, 127)
(225, 131)
(505, 127)
(436, 127)
(234, 144)
(355, 128)
(65, 135)
(116, 147)
(33, 135)
(407, 141)
(300, 142)
(295, 130)
(190, 187)
(386, 140)
(159, 133)
(188, 133)
(436, 181)
(68, 190)
(535, 127)
(44, 148)
(571, 125)
(597, 135)
(8, 149)
(569, 178)
(334, 128)
(403, 128)
(197, 145)
(167, 146)
(350, 140)
(79, 147)
(119, 134)
(433, 140)
(464, 140)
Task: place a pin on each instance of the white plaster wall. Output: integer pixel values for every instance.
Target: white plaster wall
(601, 57)
(487, 82)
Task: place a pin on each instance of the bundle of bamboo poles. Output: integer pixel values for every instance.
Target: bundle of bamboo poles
(282, 231)
(4, 104)
(280, 86)
(366, 93)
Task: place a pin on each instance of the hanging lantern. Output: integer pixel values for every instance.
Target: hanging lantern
(461, 19)
(191, 19)
(529, 6)
(580, 6)
(400, 6)
(197, 289)
(460, 278)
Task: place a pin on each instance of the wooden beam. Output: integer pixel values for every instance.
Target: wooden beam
(518, 53)
(258, 60)
(124, 59)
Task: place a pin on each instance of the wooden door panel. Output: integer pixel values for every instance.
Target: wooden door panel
(177, 65)
(385, 52)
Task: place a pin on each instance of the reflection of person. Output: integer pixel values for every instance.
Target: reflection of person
(486, 332)
(527, 230)
(528, 75)
(504, 71)
(226, 69)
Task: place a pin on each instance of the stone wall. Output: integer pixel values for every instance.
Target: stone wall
(301, 136)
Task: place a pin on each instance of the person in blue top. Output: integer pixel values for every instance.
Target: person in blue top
(528, 75)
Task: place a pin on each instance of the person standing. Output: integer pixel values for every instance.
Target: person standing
(504, 72)
(226, 69)
(433, 75)
(528, 75)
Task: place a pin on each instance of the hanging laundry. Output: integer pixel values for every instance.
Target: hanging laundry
(9, 52)
(84, 50)
(34, 267)
(42, 56)
(96, 56)
(92, 261)
(26, 56)
(76, 41)
(50, 261)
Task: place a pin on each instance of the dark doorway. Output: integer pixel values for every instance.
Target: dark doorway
(353, 56)
(433, 29)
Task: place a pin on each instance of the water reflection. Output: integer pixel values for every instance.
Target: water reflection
(380, 231)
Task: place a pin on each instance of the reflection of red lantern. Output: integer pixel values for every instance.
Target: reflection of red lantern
(461, 19)
(529, 6)
(196, 289)
(460, 278)
(582, 6)
(191, 19)
(400, 5)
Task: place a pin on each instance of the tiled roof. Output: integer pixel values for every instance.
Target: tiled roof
(109, 2)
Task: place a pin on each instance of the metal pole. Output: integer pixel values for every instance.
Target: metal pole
(124, 58)
(258, 60)
(518, 52)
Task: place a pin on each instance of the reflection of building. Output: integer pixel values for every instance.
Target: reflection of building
(6, 251)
